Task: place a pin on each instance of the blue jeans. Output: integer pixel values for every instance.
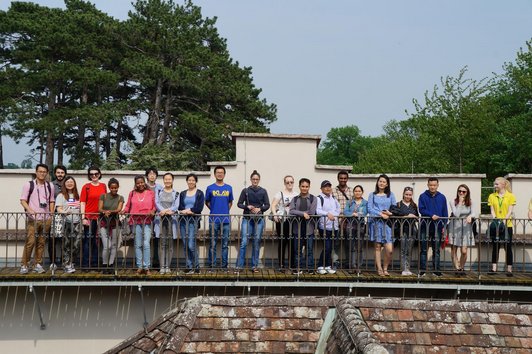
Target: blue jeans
(299, 258)
(142, 245)
(250, 227)
(89, 245)
(214, 233)
(188, 236)
(434, 233)
(328, 247)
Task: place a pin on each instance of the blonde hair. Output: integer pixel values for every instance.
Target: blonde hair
(507, 186)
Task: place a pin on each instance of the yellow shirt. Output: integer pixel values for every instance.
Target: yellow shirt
(501, 205)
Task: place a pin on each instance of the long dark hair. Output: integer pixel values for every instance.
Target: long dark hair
(408, 188)
(64, 190)
(387, 190)
(467, 198)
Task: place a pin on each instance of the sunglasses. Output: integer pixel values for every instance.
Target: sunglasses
(409, 189)
(462, 191)
(289, 182)
(94, 174)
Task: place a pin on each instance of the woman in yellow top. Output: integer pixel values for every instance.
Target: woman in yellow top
(502, 203)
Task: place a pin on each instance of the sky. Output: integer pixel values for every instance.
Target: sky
(328, 64)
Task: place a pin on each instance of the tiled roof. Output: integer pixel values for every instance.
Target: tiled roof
(281, 324)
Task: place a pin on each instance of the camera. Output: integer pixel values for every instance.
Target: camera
(43, 204)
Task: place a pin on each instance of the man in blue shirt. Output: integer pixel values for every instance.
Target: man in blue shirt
(433, 210)
(219, 199)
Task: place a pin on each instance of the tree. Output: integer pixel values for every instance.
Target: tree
(343, 145)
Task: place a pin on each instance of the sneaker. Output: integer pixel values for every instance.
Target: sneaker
(53, 267)
(330, 270)
(421, 274)
(297, 272)
(406, 273)
(322, 270)
(70, 269)
(438, 274)
(38, 268)
(311, 272)
(190, 271)
(162, 271)
(23, 270)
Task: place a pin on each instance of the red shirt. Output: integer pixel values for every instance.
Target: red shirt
(90, 195)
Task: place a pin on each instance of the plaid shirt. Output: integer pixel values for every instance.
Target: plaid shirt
(339, 196)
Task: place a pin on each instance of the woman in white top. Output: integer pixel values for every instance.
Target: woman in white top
(460, 228)
(280, 206)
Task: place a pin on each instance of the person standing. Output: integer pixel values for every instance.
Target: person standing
(254, 201)
(280, 208)
(89, 198)
(191, 202)
(54, 244)
(460, 227)
(344, 195)
(141, 208)
(68, 205)
(109, 205)
(304, 207)
(502, 203)
(166, 203)
(328, 209)
(38, 201)
(355, 213)
(433, 210)
(380, 232)
(151, 175)
(219, 200)
(407, 209)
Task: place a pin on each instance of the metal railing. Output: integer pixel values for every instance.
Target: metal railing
(180, 245)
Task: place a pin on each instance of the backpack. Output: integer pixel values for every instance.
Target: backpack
(32, 188)
(310, 198)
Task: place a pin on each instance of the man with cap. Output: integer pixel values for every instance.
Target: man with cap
(328, 209)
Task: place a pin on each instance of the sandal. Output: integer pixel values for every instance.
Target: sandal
(140, 271)
(380, 272)
(385, 272)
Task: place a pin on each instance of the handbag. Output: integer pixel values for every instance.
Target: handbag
(58, 225)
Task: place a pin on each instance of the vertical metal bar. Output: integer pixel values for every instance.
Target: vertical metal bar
(32, 290)
(145, 324)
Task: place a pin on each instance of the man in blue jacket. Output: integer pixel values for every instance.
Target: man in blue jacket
(433, 210)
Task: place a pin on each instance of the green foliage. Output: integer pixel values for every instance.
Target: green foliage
(343, 146)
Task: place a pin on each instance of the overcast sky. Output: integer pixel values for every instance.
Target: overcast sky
(331, 63)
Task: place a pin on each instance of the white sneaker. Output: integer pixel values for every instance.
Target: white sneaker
(38, 268)
(330, 270)
(69, 269)
(406, 272)
(321, 270)
(53, 267)
(23, 270)
(162, 271)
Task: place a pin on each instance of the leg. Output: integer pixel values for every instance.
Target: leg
(43, 229)
(255, 251)
(146, 246)
(138, 245)
(388, 251)
(310, 252)
(104, 236)
(321, 261)
(423, 245)
(280, 244)
(463, 257)
(29, 243)
(509, 251)
(214, 231)
(191, 245)
(244, 235)
(494, 235)
(378, 248)
(436, 242)
(67, 244)
(225, 244)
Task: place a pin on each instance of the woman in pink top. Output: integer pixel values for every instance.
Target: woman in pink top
(141, 207)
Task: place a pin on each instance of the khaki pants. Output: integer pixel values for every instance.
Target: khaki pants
(42, 229)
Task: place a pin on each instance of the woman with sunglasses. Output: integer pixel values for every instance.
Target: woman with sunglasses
(460, 226)
(280, 207)
(90, 198)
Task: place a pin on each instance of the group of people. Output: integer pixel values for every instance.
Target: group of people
(91, 217)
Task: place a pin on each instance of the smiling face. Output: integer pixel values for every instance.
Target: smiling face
(219, 174)
(70, 184)
(289, 183)
(382, 183)
(113, 188)
(168, 181)
(152, 176)
(59, 174)
(304, 188)
(94, 175)
(358, 193)
(342, 181)
(433, 186)
(407, 195)
(140, 184)
(191, 182)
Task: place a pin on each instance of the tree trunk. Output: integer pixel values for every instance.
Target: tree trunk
(166, 121)
(1, 150)
(152, 126)
(82, 126)
(49, 133)
(60, 150)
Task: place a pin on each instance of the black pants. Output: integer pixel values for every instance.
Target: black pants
(283, 233)
(501, 236)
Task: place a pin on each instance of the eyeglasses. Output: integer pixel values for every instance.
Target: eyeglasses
(94, 174)
(289, 182)
(461, 191)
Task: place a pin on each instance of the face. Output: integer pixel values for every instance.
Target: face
(462, 192)
(59, 174)
(289, 183)
(152, 176)
(191, 182)
(407, 195)
(358, 193)
(168, 181)
(255, 180)
(342, 180)
(69, 184)
(113, 188)
(41, 173)
(304, 188)
(433, 186)
(499, 185)
(382, 183)
(219, 174)
(94, 175)
(327, 190)
(140, 185)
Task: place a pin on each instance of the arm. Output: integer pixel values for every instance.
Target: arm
(372, 208)
(265, 202)
(242, 203)
(319, 207)
(275, 204)
(422, 203)
(198, 205)
(293, 210)
(158, 205)
(175, 202)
